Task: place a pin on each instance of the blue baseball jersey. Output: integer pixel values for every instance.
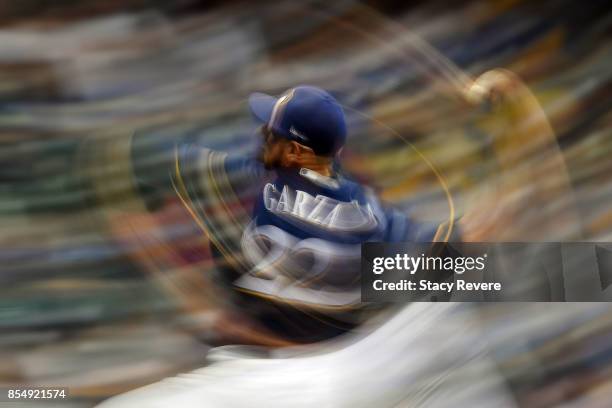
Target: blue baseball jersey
(300, 202)
(229, 196)
(336, 209)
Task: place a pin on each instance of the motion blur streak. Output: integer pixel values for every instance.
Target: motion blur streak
(399, 369)
(108, 286)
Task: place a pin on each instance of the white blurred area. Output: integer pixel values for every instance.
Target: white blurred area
(104, 290)
(425, 355)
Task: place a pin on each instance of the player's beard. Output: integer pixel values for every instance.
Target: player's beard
(270, 156)
(261, 156)
(264, 156)
(270, 163)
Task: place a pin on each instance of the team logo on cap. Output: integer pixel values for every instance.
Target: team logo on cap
(297, 134)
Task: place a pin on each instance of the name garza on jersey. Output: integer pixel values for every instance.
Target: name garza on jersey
(320, 211)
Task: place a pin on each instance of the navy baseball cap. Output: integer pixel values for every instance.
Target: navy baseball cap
(306, 114)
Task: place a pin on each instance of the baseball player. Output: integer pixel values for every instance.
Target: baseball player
(292, 254)
(309, 205)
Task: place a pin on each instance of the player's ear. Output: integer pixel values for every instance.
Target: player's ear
(292, 154)
(297, 154)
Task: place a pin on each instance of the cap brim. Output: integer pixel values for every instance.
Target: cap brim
(261, 106)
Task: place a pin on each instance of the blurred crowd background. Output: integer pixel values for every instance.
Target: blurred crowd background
(104, 287)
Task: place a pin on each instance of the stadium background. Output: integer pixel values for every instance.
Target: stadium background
(104, 288)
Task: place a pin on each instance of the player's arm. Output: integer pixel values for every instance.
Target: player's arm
(159, 158)
(528, 160)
